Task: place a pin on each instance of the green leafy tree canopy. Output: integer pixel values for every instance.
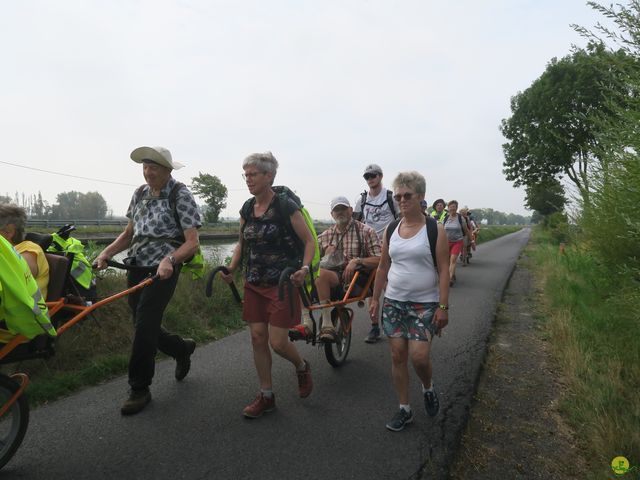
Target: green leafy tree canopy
(553, 130)
(213, 192)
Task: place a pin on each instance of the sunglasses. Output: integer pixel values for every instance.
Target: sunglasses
(405, 196)
(367, 176)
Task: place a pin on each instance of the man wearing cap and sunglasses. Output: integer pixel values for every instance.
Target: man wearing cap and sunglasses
(160, 237)
(376, 208)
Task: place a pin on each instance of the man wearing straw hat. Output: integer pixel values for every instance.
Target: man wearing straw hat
(160, 237)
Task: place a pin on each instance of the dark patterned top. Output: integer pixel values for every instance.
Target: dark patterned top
(154, 226)
(271, 245)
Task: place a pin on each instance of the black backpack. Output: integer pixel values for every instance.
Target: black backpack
(284, 194)
(432, 235)
(363, 201)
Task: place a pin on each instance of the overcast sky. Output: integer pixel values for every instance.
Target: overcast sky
(327, 86)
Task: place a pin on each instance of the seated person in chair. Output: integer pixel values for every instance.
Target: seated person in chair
(345, 247)
(13, 220)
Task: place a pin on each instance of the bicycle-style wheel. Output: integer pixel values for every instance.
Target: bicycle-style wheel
(13, 424)
(336, 352)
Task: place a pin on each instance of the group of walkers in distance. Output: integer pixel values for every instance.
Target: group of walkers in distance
(413, 253)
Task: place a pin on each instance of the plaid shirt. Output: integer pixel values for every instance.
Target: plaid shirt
(351, 248)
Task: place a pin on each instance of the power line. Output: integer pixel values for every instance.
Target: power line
(68, 174)
(109, 181)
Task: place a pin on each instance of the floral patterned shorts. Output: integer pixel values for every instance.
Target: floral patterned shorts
(410, 320)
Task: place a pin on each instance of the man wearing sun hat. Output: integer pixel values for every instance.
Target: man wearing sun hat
(160, 236)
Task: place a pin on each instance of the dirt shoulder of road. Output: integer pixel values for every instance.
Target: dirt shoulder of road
(515, 429)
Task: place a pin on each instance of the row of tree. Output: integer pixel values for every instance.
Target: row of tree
(92, 205)
(69, 205)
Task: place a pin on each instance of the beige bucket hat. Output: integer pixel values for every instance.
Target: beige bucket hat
(159, 155)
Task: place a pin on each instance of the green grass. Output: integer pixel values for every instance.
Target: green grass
(492, 232)
(592, 321)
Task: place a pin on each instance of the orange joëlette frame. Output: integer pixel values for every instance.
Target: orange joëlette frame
(346, 299)
(82, 311)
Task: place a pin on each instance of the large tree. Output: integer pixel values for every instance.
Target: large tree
(554, 127)
(213, 192)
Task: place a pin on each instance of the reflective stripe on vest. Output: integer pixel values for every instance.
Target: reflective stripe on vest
(80, 267)
(21, 305)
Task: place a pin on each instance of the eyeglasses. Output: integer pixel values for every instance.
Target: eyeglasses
(367, 176)
(405, 196)
(252, 175)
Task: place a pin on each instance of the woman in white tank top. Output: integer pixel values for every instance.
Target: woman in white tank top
(415, 307)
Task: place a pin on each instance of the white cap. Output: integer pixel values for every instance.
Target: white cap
(340, 201)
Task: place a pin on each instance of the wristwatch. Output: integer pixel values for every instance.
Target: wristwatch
(172, 259)
(306, 267)
(358, 261)
(443, 306)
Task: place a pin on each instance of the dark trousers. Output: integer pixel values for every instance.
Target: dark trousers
(147, 306)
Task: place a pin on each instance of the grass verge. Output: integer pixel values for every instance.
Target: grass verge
(492, 232)
(98, 348)
(592, 323)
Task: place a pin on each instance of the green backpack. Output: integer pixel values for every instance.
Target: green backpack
(282, 195)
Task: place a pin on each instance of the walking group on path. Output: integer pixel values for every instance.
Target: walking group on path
(389, 233)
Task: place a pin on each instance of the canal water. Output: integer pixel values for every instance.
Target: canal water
(215, 252)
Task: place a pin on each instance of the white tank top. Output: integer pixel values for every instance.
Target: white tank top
(412, 276)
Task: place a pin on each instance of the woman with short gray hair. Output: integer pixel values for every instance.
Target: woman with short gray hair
(263, 162)
(415, 306)
(269, 226)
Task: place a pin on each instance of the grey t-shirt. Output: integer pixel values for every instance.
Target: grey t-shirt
(154, 226)
(453, 228)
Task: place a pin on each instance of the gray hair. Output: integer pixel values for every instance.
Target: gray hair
(264, 162)
(11, 214)
(412, 180)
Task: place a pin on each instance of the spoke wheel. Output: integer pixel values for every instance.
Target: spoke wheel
(13, 424)
(336, 352)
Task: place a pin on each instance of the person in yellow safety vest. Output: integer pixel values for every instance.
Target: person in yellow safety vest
(13, 220)
(80, 267)
(22, 307)
(438, 210)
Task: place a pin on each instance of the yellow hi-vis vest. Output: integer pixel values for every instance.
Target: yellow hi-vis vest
(80, 266)
(21, 304)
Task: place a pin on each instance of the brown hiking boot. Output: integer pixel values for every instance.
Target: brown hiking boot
(259, 406)
(138, 399)
(305, 382)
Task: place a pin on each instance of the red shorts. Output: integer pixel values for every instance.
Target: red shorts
(261, 305)
(455, 248)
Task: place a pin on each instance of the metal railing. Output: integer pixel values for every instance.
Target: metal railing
(59, 223)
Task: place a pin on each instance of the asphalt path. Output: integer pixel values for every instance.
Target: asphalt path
(195, 429)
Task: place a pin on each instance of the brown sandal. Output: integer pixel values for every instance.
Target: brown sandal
(328, 335)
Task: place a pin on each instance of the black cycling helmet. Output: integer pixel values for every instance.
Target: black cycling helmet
(440, 200)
